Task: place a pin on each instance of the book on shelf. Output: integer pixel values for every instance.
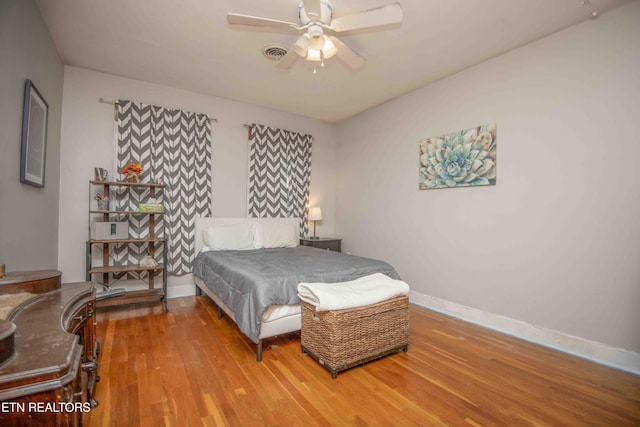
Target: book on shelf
(150, 207)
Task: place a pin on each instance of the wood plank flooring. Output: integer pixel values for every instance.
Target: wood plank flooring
(187, 368)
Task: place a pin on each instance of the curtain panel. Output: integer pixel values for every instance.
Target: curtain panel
(174, 148)
(279, 174)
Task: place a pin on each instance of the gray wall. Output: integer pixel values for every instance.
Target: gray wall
(28, 215)
(556, 243)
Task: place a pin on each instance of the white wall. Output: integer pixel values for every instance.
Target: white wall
(28, 215)
(556, 243)
(88, 142)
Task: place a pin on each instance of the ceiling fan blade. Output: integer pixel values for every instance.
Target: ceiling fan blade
(312, 6)
(348, 55)
(254, 21)
(385, 15)
(288, 60)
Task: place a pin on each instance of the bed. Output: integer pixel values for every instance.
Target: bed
(250, 268)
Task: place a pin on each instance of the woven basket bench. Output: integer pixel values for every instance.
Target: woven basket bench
(342, 339)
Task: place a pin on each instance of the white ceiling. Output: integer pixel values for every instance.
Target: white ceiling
(188, 44)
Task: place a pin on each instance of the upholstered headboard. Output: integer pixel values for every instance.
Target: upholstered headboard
(203, 223)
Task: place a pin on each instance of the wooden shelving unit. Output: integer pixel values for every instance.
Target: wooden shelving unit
(152, 293)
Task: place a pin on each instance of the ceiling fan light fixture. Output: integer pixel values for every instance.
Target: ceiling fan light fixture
(316, 18)
(329, 49)
(316, 37)
(316, 43)
(314, 55)
(301, 45)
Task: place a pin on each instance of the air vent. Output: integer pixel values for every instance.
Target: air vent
(274, 52)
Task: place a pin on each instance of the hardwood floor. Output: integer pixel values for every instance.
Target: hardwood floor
(187, 368)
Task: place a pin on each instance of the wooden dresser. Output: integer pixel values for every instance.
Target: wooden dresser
(50, 378)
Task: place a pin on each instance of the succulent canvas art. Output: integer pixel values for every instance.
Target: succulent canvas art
(459, 159)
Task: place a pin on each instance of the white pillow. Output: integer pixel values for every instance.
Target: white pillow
(230, 237)
(274, 235)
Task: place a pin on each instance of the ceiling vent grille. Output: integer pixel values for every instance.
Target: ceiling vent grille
(274, 52)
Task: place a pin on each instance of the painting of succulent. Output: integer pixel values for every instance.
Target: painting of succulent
(459, 159)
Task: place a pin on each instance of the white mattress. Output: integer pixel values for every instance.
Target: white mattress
(276, 319)
(279, 311)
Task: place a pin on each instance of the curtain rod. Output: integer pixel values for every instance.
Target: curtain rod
(249, 129)
(106, 101)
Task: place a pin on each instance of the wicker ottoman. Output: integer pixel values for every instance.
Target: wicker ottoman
(342, 339)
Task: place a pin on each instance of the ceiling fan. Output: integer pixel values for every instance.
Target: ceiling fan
(316, 27)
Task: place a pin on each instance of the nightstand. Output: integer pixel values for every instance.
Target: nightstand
(328, 243)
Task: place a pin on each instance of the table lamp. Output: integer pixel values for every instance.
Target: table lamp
(315, 214)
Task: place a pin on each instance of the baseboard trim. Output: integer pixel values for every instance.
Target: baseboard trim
(178, 291)
(594, 351)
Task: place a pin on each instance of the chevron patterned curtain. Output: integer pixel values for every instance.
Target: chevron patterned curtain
(279, 174)
(174, 147)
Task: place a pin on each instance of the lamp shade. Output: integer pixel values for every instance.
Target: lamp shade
(316, 37)
(329, 49)
(313, 55)
(301, 45)
(315, 214)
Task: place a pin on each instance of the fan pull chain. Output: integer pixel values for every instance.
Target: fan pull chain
(315, 71)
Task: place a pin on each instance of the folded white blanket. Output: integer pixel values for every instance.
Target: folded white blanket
(366, 290)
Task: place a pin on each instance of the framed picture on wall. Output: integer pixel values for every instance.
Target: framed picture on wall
(465, 158)
(33, 153)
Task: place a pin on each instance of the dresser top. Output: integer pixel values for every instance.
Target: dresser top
(35, 281)
(43, 348)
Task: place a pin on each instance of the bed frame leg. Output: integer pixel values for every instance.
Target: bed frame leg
(259, 352)
(219, 313)
(198, 291)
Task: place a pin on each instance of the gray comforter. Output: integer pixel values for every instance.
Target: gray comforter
(250, 281)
